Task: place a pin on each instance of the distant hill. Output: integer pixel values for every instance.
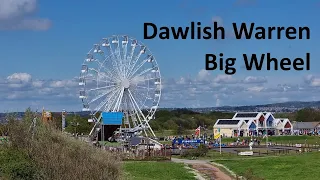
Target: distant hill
(297, 104)
(276, 107)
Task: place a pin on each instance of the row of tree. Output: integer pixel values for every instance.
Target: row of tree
(178, 120)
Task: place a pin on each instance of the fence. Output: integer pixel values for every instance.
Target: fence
(140, 154)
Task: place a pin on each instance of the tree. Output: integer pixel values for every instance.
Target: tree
(307, 115)
(78, 124)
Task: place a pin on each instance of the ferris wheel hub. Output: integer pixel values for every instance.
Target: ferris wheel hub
(125, 83)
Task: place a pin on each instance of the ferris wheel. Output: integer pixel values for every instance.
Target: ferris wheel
(120, 74)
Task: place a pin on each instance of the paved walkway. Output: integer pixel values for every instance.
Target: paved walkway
(204, 168)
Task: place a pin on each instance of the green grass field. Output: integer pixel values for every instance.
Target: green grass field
(139, 170)
(295, 167)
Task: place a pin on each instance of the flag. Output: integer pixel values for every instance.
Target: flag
(217, 136)
(197, 132)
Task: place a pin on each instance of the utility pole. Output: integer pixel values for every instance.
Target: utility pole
(75, 124)
(220, 141)
(179, 130)
(63, 119)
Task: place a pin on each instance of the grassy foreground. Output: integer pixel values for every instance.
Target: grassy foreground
(156, 170)
(303, 166)
(51, 155)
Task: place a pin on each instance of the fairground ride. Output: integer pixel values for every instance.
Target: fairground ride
(120, 84)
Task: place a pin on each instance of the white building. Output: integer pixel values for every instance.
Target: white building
(283, 126)
(230, 127)
(253, 123)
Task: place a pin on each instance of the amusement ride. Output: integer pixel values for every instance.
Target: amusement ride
(120, 85)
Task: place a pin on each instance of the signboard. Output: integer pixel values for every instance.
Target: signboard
(246, 153)
(180, 141)
(112, 118)
(192, 141)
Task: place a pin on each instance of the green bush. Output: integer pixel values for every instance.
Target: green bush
(201, 151)
(16, 165)
(249, 175)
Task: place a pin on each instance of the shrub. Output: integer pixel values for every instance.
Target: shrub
(201, 151)
(56, 156)
(16, 165)
(249, 175)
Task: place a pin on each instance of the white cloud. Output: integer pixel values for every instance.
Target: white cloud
(37, 83)
(19, 77)
(204, 75)
(255, 89)
(253, 79)
(20, 90)
(63, 83)
(224, 79)
(18, 80)
(20, 14)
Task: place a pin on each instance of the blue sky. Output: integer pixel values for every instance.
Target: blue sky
(46, 42)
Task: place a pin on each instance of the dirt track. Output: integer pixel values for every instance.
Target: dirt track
(205, 169)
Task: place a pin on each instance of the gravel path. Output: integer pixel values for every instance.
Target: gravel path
(204, 168)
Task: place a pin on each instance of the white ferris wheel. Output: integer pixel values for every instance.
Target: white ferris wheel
(120, 74)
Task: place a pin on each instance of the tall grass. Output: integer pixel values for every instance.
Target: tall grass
(53, 155)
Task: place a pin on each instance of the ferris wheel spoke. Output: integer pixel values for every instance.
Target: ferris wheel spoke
(104, 102)
(113, 74)
(146, 92)
(118, 102)
(125, 50)
(107, 71)
(100, 96)
(143, 87)
(113, 58)
(133, 70)
(118, 55)
(139, 110)
(145, 122)
(112, 100)
(137, 79)
(125, 102)
(136, 110)
(135, 61)
(89, 79)
(132, 114)
(143, 72)
(133, 47)
(98, 108)
(104, 87)
(131, 110)
(141, 100)
(98, 73)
